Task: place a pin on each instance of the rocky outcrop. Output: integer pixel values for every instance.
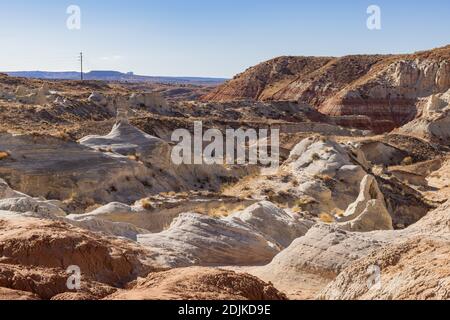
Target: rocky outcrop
(59, 169)
(314, 260)
(127, 140)
(125, 166)
(36, 254)
(195, 239)
(319, 176)
(109, 228)
(433, 121)
(29, 205)
(368, 212)
(6, 192)
(16, 295)
(253, 83)
(413, 270)
(36, 97)
(157, 213)
(98, 98)
(327, 250)
(46, 283)
(274, 223)
(382, 89)
(328, 172)
(52, 210)
(198, 284)
(151, 101)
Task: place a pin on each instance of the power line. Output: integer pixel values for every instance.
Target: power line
(81, 65)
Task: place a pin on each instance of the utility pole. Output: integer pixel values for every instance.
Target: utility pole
(81, 62)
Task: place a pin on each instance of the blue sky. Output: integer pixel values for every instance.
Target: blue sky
(209, 37)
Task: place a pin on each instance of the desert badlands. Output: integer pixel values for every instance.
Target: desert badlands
(92, 205)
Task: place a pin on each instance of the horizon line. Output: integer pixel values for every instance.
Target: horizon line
(124, 73)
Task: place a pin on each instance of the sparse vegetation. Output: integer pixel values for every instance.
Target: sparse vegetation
(315, 157)
(63, 135)
(134, 157)
(407, 161)
(4, 155)
(338, 213)
(146, 204)
(302, 204)
(224, 211)
(286, 178)
(326, 218)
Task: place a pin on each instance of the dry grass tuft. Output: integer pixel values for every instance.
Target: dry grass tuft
(4, 155)
(301, 204)
(326, 218)
(63, 135)
(147, 204)
(134, 157)
(407, 161)
(315, 157)
(224, 211)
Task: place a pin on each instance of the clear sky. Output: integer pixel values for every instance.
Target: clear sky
(208, 37)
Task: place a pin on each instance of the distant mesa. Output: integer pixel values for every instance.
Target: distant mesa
(109, 75)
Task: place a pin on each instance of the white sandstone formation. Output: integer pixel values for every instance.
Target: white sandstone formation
(368, 212)
(31, 205)
(63, 170)
(433, 122)
(195, 239)
(117, 229)
(12, 200)
(158, 214)
(273, 222)
(21, 205)
(327, 173)
(421, 78)
(240, 239)
(127, 140)
(6, 192)
(327, 250)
